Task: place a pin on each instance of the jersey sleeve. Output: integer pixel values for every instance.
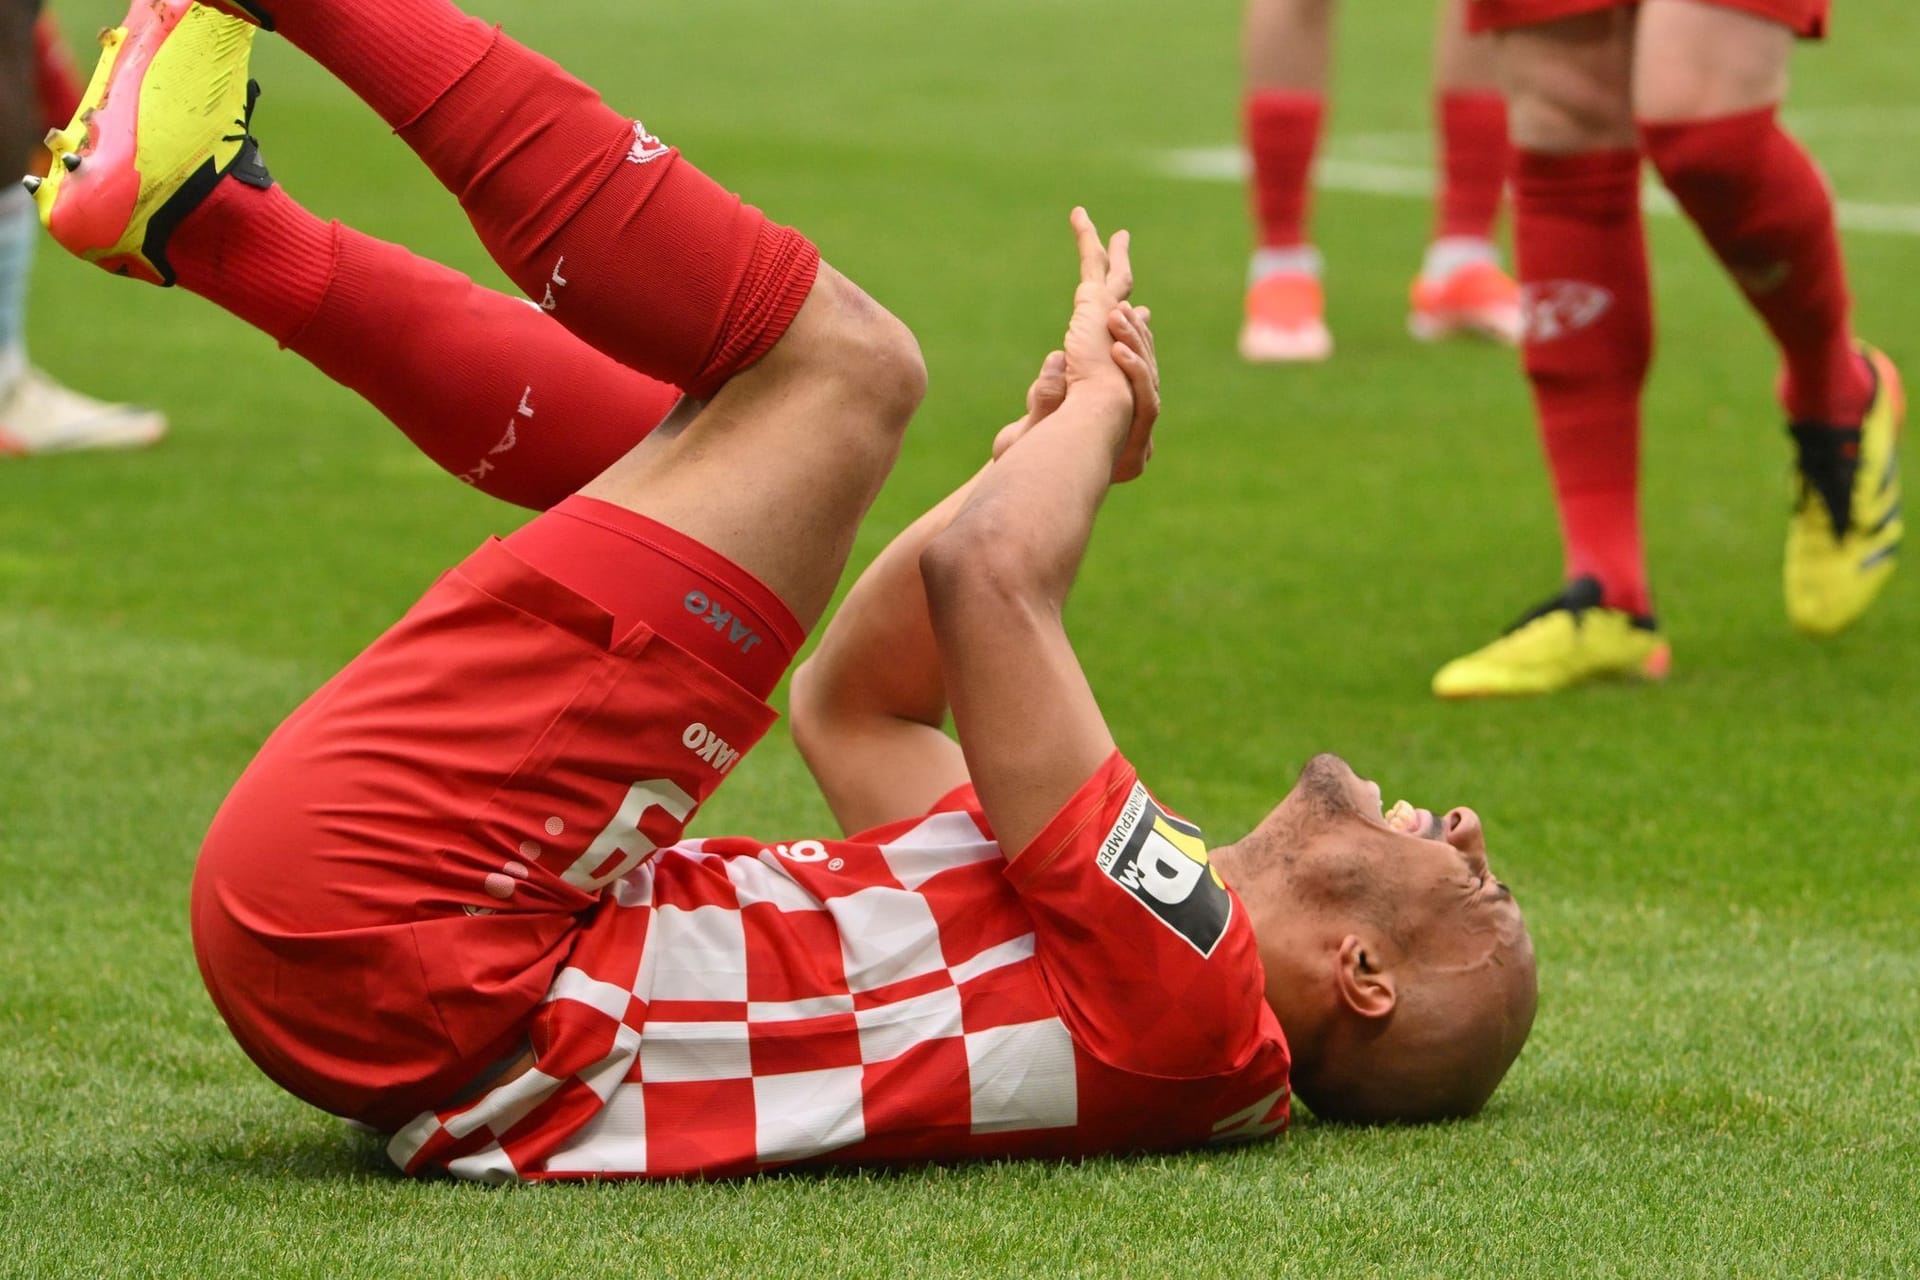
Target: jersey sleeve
(1149, 955)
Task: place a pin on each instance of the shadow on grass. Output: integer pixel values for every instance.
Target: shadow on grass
(319, 1150)
(315, 1148)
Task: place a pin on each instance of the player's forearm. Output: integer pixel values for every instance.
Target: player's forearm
(878, 655)
(1030, 516)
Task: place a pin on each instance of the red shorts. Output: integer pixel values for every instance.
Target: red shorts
(386, 896)
(1807, 18)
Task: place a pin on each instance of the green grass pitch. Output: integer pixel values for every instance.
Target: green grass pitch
(1722, 875)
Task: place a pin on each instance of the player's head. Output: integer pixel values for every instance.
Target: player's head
(1399, 967)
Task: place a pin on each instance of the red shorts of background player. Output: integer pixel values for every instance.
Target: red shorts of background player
(386, 896)
(1807, 18)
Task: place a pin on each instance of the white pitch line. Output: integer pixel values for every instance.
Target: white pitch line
(1229, 164)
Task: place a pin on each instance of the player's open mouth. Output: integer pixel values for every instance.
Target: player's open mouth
(1403, 817)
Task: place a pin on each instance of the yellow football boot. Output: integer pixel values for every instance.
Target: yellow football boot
(1844, 535)
(1571, 639)
(163, 120)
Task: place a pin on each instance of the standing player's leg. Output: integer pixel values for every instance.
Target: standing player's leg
(37, 414)
(1589, 336)
(1287, 46)
(1708, 84)
(1461, 287)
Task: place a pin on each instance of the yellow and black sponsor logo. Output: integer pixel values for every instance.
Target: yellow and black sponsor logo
(1162, 861)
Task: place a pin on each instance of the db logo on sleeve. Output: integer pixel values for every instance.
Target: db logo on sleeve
(1162, 861)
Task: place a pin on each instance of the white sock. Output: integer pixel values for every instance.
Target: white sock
(1450, 253)
(1300, 260)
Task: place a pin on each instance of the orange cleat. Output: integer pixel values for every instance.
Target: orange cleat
(1477, 298)
(1285, 320)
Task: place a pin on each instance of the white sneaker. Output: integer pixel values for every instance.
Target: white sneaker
(41, 416)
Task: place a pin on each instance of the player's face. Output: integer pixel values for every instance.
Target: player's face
(1427, 873)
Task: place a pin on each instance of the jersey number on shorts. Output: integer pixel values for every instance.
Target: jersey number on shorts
(621, 845)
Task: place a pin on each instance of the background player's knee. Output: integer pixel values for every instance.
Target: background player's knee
(1700, 62)
(1569, 85)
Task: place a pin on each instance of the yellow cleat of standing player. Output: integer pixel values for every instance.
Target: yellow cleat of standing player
(1572, 639)
(1843, 538)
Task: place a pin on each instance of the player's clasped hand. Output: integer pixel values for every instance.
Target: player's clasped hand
(1048, 392)
(1133, 352)
(1109, 346)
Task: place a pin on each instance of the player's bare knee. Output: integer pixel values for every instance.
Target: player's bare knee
(1671, 90)
(1700, 62)
(853, 349)
(806, 708)
(1569, 86)
(871, 350)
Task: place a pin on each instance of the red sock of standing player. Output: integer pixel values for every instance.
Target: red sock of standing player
(627, 244)
(1768, 215)
(1581, 250)
(486, 385)
(1283, 133)
(1473, 164)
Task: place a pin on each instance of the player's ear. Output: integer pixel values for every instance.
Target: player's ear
(1364, 985)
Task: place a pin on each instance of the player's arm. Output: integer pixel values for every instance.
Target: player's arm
(997, 577)
(869, 705)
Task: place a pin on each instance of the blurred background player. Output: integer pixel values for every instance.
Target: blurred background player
(1695, 86)
(1461, 287)
(39, 88)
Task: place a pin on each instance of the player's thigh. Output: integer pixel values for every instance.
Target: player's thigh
(1287, 44)
(1569, 82)
(776, 471)
(1698, 60)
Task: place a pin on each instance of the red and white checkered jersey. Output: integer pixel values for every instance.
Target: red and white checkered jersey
(903, 995)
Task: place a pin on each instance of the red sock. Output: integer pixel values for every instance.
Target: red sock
(1283, 133)
(628, 245)
(59, 80)
(486, 385)
(1762, 205)
(1473, 163)
(1581, 250)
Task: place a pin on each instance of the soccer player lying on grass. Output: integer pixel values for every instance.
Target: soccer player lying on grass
(451, 897)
